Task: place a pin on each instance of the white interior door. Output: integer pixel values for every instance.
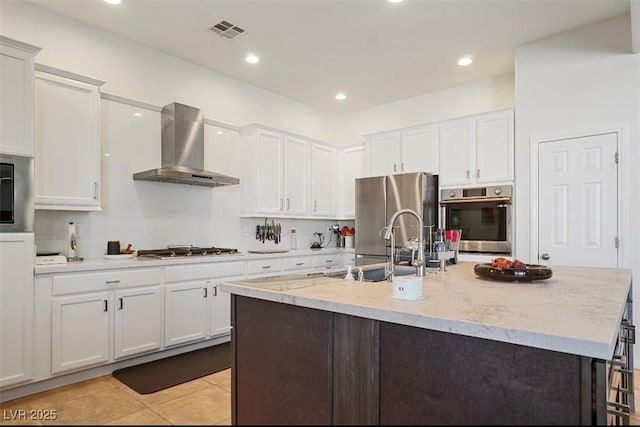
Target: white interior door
(577, 201)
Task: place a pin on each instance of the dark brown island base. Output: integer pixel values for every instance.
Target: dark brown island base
(306, 352)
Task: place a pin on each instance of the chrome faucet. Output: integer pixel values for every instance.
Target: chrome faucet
(417, 263)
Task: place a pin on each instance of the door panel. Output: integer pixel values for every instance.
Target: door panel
(578, 205)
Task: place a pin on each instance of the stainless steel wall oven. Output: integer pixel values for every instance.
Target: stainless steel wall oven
(483, 214)
(16, 194)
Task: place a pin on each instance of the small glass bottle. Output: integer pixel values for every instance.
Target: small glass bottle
(294, 240)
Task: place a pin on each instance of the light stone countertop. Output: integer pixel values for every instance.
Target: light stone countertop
(577, 311)
(135, 262)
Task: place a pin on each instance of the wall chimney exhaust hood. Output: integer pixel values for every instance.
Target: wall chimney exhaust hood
(183, 150)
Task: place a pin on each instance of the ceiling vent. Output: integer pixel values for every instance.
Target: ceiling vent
(227, 30)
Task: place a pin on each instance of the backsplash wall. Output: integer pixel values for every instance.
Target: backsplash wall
(153, 215)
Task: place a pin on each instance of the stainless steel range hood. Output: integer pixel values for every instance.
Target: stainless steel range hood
(183, 150)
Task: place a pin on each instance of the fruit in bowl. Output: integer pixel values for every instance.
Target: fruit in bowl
(501, 263)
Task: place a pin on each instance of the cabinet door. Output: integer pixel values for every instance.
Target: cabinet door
(384, 154)
(353, 167)
(220, 310)
(16, 308)
(296, 166)
(269, 184)
(80, 331)
(185, 312)
(67, 143)
(457, 152)
(323, 181)
(494, 147)
(138, 321)
(16, 102)
(420, 151)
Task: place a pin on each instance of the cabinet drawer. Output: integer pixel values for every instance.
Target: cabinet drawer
(204, 271)
(266, 266)
(297, 263)
(113, 279)
(327, 261)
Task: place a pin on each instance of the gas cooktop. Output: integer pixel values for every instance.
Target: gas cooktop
(184, 251)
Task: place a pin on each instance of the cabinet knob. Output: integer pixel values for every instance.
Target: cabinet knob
(395, 167)
(545, 256)
(478, 173)
(468, 174)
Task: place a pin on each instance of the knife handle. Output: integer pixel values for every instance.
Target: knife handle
(257, 232)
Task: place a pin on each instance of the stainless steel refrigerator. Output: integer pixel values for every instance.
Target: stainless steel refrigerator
(378, 198)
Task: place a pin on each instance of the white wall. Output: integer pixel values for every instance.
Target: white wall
(580, 80)
(153, 215)
(135, 71)
(477, 97)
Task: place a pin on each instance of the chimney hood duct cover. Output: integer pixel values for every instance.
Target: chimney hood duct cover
(183, 150)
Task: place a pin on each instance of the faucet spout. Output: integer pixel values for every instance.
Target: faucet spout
(419, 262)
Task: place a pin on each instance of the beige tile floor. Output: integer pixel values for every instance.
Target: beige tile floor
(106, 401)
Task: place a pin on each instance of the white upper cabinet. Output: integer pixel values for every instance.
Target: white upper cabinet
(288, 175)
(324, 179)
(409, 150)
(457, 148)
(275, 173)
(384, 153)
(67, 140)
(295, 176)
(353, 166)
(268, 170)
(495, 147)
(477, 149)
(420, 150)
(17, 100)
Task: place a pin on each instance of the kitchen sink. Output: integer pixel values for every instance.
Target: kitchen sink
(377, 274)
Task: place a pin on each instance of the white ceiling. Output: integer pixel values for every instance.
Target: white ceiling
(373, 50)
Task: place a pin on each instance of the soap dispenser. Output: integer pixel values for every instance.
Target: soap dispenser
(349, 275)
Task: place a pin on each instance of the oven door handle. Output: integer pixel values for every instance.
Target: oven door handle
(476, 200)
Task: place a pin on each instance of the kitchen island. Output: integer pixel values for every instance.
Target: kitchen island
(327, 351)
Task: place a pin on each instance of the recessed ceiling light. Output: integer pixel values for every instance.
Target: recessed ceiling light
(113, 1)
(341, 96)
(252, 59)
(395, 1)
(465, 60)
(219, 132)
(137, 114)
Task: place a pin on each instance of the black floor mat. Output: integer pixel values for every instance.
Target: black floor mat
(164, 373)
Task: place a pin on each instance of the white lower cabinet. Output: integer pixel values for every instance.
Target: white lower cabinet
(220, 309)
(16, 308)
(186, 312)
(101, 316)
(328, 261)
(195, 308)
(264, 267)
(295, 265)
(138, 324)
(80, 331)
